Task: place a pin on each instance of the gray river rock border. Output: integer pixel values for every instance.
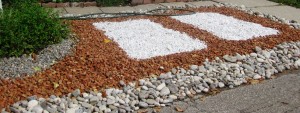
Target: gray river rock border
(177, 84)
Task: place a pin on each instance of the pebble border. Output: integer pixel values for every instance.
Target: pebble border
(177, 84)
(26, 65)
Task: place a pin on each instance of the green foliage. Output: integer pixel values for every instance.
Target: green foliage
(112, 2)
(57, 1)
(295, 3)
(17, 2)
(74, 0)
(26, 27)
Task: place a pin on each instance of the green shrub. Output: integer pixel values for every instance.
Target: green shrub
(27, 28)
(17, 2)
(295, 3)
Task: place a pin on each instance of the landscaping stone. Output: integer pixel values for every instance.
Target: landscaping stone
(164, 90)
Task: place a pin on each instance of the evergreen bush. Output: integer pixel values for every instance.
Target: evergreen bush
(25, 27)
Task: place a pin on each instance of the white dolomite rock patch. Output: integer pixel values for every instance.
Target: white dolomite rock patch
(226, 27)
(143, 39)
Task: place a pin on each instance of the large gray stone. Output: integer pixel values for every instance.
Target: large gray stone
(143, 104)
(32, 103)
(173, 88)
(37, 109)
(76, 93)
(72, 110)
(165, 91)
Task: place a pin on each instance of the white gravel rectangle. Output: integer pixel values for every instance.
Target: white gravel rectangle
(143, 39)
(226, 27)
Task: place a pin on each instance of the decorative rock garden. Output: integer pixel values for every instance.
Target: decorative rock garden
(130, 63)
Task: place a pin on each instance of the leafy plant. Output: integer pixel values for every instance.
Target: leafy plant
(295, 3)
(74, 0)
(15, 2)
(26, 27)
(60, 1)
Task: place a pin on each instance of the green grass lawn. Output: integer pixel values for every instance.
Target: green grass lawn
(294, 3)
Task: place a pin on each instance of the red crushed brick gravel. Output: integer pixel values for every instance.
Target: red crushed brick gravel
(96, 65)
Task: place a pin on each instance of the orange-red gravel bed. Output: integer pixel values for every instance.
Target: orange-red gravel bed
(97, 65)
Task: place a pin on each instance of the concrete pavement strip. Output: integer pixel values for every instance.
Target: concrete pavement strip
(202, 3)
(175, 4)
(80, 10)
(116, 9)
(286, 12)
(87, 10)
(60, 11)
(257, 5)
(147, 7)
(249, 3)
(268, 7)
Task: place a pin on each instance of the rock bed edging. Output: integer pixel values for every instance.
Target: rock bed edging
(14, 67)
(25, 65)
(177, 84)
(282, 50)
